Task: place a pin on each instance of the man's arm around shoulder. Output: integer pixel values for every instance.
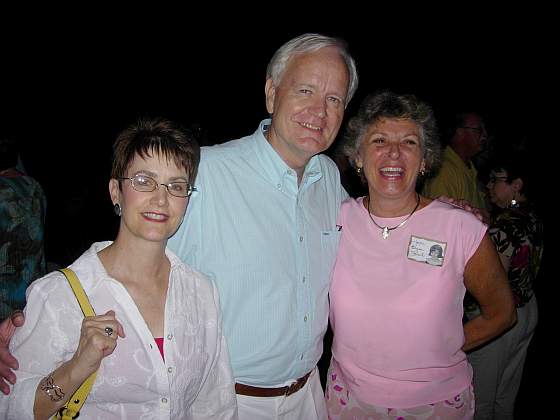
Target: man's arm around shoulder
(7, 361)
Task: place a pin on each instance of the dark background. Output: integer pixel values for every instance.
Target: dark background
(69, 87)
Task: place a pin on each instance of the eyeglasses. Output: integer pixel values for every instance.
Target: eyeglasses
(493, 178)
(473, 128)
(482, 131)
(144, 183)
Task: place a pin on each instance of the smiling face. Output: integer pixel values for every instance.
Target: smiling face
(307, 106)
(391, 155)
(151, 216)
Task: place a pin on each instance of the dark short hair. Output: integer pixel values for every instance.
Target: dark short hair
(160, 136)
(516, 165)
(437, 248)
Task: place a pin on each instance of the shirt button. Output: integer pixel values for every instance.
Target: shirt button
(164, 400)
(170, 369)
(279, 186)
(303, 280)
(169, 336)
(305, 318)
(301, 238)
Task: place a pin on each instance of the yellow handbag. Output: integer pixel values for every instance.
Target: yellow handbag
(72, 408)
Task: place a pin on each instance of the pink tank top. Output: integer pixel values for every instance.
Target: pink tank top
(159, 342)
(396, 309)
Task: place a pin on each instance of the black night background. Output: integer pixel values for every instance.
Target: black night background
(67, 90)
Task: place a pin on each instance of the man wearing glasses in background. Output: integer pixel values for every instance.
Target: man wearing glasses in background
(457, 177)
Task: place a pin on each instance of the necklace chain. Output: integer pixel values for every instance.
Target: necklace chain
(385, 230)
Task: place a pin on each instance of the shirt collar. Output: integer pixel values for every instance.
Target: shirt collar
(90, 270)
(274, 167)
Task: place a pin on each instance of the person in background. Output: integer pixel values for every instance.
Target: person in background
(517, 232)
(157, 343)
(22, 225)
(457, 178)
(399, 342)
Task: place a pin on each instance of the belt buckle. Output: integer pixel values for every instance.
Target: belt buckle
(291, 389)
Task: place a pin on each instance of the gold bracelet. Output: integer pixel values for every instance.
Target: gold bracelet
(54, 392)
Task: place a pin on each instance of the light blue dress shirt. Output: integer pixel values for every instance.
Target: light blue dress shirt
(269, 246)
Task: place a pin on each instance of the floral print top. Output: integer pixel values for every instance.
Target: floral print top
(518, 234)
(22, 257)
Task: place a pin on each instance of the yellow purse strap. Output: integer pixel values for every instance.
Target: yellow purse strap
(72, 408)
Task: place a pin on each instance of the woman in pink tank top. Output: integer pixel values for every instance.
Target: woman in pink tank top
(403, 266)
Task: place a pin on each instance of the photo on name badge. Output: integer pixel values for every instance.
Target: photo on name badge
(428, 251)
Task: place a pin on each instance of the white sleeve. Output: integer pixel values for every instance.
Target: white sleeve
(216, 399)
(46, 340)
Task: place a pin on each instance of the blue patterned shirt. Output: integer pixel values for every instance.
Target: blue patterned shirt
(22, 257)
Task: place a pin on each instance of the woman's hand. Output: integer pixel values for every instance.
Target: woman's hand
(98, 339)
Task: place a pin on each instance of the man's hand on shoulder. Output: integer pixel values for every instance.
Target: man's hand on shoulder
(480, 214)
(7, 361)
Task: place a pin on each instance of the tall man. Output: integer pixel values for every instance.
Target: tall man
(263, 227)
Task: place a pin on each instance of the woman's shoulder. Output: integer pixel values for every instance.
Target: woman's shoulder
(196, 287)
(352, 204)
(443, 215)
(48, 284)
(51, 294)
(524, 214)
(351, 208)
(436, 206)
(522, 220)
(187, 274)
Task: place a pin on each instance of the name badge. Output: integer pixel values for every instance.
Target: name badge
(428, 251)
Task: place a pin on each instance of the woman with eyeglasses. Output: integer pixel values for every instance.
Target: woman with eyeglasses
(517, 232)
(156, 342)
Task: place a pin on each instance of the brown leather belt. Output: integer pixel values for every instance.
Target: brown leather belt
(253, 391)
